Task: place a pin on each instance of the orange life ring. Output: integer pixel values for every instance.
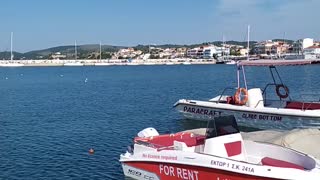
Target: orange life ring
(237, 97)
(286, 89)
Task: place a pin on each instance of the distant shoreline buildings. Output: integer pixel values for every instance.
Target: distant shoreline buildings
(268, 49)
(262, 50)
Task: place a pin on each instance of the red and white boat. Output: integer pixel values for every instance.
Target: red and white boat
(269, 107)
(220, 154)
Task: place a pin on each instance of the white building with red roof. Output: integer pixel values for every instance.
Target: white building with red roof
(312, 50)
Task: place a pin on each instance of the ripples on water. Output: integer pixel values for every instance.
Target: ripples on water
(50, 117)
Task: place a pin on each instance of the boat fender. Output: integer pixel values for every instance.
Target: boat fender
(286, 89)
(243, 93)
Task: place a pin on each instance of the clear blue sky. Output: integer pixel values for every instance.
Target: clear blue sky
(39, 24)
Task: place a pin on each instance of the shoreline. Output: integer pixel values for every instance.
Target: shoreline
(110, 62)
(104, 62)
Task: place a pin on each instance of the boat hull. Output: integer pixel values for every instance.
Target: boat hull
(172, 171)
(248, 117)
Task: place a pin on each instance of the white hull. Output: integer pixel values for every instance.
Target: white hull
(231, 62)
(263, 118)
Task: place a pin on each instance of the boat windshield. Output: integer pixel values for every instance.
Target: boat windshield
(220, 126)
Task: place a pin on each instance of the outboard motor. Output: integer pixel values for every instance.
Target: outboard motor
(148, 132)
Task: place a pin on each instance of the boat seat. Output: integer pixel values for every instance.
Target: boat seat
(302, 106)
(280, 163)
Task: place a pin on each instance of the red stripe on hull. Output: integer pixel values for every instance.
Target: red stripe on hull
(171, 171)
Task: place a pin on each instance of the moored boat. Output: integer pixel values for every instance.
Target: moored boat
(219, 154)
(253, 107)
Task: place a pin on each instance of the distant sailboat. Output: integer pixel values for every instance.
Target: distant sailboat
(100, 63)
(11, 63)
(75, 62)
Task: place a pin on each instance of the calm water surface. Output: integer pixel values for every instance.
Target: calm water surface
(50, 117)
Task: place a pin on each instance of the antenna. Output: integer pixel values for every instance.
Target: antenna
(100, 50)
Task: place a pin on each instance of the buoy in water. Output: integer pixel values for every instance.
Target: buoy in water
(91, 150)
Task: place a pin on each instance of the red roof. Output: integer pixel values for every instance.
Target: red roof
(274, 62)
(312, 47)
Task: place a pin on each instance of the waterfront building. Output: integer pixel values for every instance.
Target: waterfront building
(57, 56)
(312, 50)
(307, 42)
(271, 47)
(243, 51)
(209, 52)
(192, 53)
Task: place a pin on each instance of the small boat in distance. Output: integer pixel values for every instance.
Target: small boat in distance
(231, 62)
(11, 63)
(74, 62)
(100, 62)
(186, 63)
(220, 153)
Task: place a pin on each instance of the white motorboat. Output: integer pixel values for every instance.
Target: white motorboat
(220, 154)
(186, 63)
(169, 63)
(253, 107)
(231, 62)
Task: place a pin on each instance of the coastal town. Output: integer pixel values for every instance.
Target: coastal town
(206, 53)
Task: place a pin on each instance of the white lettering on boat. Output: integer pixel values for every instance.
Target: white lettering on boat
(179, 173)
(201, 111)
(261, 117)
(237, 167)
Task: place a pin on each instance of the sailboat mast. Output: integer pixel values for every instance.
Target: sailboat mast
(11, 56)
(223, 47)
(75, 50)
(100, 51)
(248, 49)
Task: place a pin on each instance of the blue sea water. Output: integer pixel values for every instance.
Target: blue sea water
(51, 116)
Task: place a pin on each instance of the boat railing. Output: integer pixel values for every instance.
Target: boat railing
(158, 147)
(273, 103)
(308, 102)
(306, 97)
(260, 101)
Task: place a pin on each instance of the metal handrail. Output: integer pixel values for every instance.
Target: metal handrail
(152, 145)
